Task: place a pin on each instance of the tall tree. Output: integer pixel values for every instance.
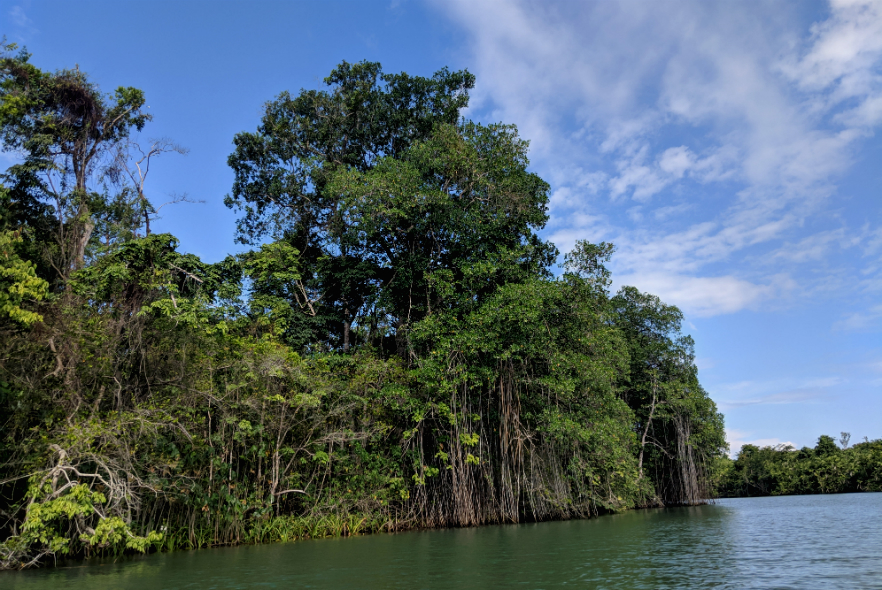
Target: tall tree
(283, 171)
(65, 129)
(388, 196)
(678, 425)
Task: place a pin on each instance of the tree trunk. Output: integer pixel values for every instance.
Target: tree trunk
(648, 424)
(83, 241)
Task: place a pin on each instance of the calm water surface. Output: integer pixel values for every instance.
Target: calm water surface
(799, 542)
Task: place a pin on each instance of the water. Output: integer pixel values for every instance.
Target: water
(799, 542)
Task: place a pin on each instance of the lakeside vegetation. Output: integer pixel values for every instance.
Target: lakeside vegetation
(394, 351)
(783, 470)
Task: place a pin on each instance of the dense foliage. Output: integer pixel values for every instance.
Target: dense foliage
(824, 469)
(395, 351)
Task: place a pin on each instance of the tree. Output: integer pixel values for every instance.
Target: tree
(678, 424)
(19, 283)
(130, 168)
(826, 446)
(781, 470)
(283, 170)
(65, 128)
(389, 197)
(394, 352)
(452, 218)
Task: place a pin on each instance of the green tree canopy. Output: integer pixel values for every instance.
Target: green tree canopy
(392, 201)
(395, 350)
(65, 128)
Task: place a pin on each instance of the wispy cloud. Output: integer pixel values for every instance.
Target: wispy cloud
(24, 26)
(841, 63)
(776, 392)
(861, 320)
(786, 397)
(707, 296)
(739, 438)
(691, 133)
(18, 16)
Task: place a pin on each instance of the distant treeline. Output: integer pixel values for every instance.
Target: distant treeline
(824, 469)
(396, 350)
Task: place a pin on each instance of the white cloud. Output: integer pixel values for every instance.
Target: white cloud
(860, 320)
(662, 213)
(843, 60)
(703, 363)
(785, 397)
(636, 177)
(24, 25)
(739, 438)
(702, 296)
(566, 230)
(776, 392)
(18, 16)
(676, 161)
(728, 124)
(815, 246)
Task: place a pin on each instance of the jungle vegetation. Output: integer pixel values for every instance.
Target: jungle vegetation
(827, 468)
(397, 348)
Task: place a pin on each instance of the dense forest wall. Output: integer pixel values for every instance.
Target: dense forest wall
(395, 351)
(783, 470)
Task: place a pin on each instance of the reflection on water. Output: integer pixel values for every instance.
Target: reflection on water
(795, 542)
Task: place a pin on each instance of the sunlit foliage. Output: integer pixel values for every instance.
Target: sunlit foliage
(397, 351)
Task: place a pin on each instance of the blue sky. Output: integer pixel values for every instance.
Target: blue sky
(728, 149)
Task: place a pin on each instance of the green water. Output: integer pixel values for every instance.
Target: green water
(799, 542)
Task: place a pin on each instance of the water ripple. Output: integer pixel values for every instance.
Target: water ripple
(796, 542)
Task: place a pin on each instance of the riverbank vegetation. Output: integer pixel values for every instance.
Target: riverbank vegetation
(397, 348)
(783, 470)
